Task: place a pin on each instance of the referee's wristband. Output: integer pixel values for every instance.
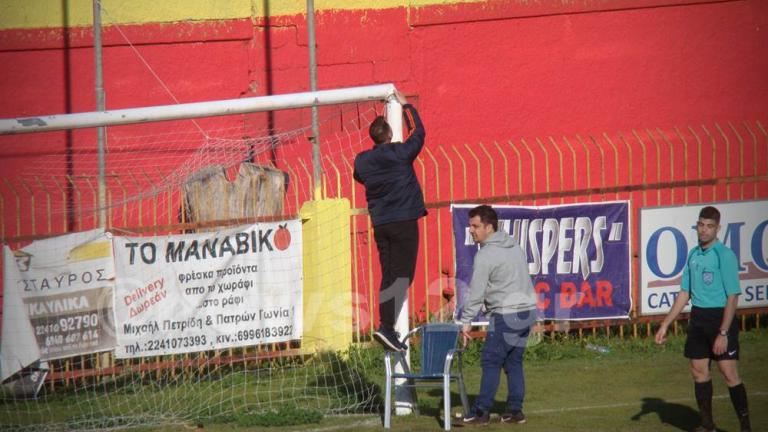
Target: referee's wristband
(723, 333)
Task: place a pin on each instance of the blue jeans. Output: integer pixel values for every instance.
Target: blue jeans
(503, 349)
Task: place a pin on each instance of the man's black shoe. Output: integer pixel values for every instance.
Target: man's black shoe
(513, 417)
(477, 419)
(389, 339)
(744, 423)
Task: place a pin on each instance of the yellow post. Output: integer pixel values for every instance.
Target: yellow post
(327, 275)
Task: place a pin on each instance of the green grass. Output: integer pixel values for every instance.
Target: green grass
(637, 386)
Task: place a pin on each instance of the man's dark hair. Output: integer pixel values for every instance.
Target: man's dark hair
(487, 215)
(380, 131)
(710, 212)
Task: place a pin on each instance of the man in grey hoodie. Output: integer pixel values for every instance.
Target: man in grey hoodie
(501, 283)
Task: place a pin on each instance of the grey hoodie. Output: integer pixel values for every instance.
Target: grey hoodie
(500, 279)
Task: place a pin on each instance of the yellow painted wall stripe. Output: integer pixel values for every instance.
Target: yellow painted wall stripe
(50, 13)
(26, 14)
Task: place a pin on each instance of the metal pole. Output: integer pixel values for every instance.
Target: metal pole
(101, 132)
(317, 169)
(404, 396)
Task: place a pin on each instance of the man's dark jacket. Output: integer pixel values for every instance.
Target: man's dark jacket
(391, 187)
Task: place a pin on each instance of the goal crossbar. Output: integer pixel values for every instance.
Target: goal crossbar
(46, 123)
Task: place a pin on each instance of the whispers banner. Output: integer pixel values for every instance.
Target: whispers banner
(578, 257)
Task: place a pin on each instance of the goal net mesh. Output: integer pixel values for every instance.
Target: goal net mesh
(171, 178)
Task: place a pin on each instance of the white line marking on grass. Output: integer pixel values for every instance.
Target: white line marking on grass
(628, 404)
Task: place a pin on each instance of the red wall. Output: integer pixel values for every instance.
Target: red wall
(596, 71)
(475, 80)
(478, 73)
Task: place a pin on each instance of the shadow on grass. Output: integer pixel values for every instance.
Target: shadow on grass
(343, 381)
(676, 415)
(433, 405)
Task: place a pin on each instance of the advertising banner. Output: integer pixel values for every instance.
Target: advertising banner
(578, 256)
(58, 294)
(196, 292)
(667, 234)
(18, 346)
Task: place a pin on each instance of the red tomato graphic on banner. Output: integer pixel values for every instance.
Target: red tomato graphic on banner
(282, 238)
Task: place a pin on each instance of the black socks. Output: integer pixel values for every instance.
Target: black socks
(703, 393)
(738, 394)
(739, 401)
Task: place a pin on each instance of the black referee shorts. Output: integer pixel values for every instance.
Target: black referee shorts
(703, 328)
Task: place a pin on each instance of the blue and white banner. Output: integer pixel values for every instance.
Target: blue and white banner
(578, 256)
(667, 234)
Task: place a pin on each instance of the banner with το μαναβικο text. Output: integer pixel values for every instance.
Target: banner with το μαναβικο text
(197, 292)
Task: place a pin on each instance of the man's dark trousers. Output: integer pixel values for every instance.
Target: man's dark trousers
(398, 245)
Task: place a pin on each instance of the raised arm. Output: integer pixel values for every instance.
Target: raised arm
(413, 144)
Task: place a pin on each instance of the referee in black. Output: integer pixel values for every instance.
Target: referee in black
(711, 282)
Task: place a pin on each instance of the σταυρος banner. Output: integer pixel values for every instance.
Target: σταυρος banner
(65, 284)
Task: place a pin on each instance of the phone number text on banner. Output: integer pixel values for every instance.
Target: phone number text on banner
(197, 292)
(578, 256)
(65, 283)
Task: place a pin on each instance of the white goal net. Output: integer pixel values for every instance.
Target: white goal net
(109, 349)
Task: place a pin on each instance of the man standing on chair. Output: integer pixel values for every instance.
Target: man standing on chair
(711, 282)
(500, 282)
(395, 203)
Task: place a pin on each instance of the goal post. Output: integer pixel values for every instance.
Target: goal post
(329, 282)
(378, 92)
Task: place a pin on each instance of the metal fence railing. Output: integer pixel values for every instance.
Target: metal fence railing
(649, 167)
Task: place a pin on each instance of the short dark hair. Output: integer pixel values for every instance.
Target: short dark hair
(487, 215)
(380, 131)
(710, 212)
